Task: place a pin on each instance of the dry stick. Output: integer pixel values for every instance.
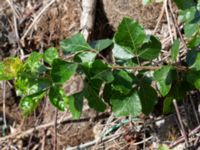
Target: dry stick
(181, 139)
(31, 130)
(160, 18)
(47, 125)
(183, 132)
(55, 130)
(91, 143)
(168, 20)
(138, 68)
(13, 9)
(176, 24)
(37, 18)
(4, 103)
(87, 17)
(194, 110)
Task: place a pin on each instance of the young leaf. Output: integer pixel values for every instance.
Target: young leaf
(62, 71)
(100, 70)
(163, 77)
(148, 97)
(58, 98)
(130, 35)
(29, 103)
(175, 50)
(120, 53)
(50, 54)
(9, 68)
(75, 44)
(122, 82)
(76, 105)
(94, 100)
(124, 105)
(151, 49)
(33, 64)
(100, 45)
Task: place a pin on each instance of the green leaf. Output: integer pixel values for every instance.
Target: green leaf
(33, 65)
(87, 57)
(187, 15)
(163, 77)
(29, 103)
(191, 29)
(120, 53)
(62, 71)
(50, 54)
(194, 42)
(130, 35)
(26, 85)
(122, 82)
(100, 70)
(124, 105)
(93, 98)
(76, 105)
(184, 4)
(175, 50)
(193, 77)
(151, 49)
(148, 97)
(100, 45)
(193, 59)
(10, 68)
(58, 98)
(75, 44)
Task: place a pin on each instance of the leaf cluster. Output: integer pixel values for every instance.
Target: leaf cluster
(130, 85)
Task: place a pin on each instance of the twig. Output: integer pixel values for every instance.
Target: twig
(91, 143)
(55, 130)
(183, 132)
(176, 25)
(194, 110)
(47, 125)
(138, 68)
(160, 18)
(168, 21)
(37, 18)
(181, 139)
(143, 141)
(4, 103)
(13, 9)
(31, 130)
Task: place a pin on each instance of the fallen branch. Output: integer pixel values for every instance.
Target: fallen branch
(66, 120)
(87, 17)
